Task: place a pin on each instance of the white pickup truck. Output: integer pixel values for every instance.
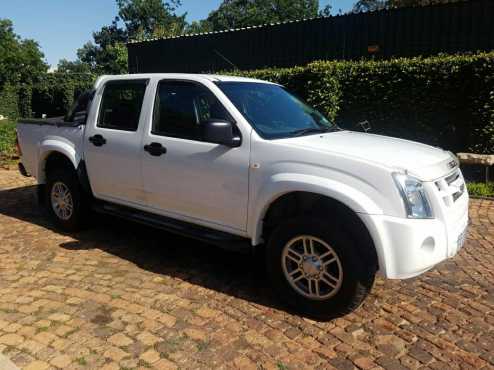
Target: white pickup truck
(242, 163)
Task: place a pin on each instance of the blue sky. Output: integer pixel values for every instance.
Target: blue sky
(63, 26)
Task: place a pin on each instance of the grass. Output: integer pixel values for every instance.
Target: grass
(481, 189)
(81, 361)
(202, 346)
(281, 366)
(7, 140)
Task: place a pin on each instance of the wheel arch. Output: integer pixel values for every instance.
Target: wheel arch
(53, 152)
(316, 195)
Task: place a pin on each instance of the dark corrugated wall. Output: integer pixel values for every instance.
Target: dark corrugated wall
(451, 28)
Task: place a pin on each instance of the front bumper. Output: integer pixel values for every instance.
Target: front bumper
(409, 247)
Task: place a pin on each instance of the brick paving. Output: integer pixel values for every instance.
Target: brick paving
(122, 296)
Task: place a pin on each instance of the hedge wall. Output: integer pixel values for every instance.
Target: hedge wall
(9, 101)
(54, 94)
(446, 101)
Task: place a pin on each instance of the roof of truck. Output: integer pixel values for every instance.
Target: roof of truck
(185, 76)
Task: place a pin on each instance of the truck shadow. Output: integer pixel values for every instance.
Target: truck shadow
(238, 275)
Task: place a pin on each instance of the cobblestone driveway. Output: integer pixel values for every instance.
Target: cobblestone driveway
(121, 296)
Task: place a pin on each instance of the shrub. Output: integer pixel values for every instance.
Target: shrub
(9, 101)
(481, 189)
(7, 139)
(54, 94)
(445, 100)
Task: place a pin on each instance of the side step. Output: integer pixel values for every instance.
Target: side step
(204, 234)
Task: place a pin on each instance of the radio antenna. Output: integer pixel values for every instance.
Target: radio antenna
(226, 59)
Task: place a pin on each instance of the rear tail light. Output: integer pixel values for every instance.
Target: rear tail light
(17, 145)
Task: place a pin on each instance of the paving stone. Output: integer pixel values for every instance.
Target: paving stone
(61, 361)
(11, 339)
(37, 365)
(120, 340)
(150, 356)
(121, 295)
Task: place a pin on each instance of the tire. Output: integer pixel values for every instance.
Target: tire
(66, 181)
(348, 289)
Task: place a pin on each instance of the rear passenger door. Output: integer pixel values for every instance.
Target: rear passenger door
(113, 142)
(191, 179)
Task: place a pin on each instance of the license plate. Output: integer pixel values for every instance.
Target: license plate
(462, 238)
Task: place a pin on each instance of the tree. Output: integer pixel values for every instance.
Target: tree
(76, 67)
(21, 61)
(143, 17)
(101, 56)
(244, 13)
(326, 11)
(371, 5)
(137, 19)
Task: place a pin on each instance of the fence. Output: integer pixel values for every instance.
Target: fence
(449, 28)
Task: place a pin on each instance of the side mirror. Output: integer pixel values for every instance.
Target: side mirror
(220, 132)
(364, 126)
(80, 117)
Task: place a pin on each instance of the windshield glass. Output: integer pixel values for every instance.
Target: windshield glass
(273, 111)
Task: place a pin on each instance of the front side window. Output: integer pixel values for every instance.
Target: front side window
(121, 105)
(273, 111)
(181, 107)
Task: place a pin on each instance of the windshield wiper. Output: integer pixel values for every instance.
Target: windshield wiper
(311, 130)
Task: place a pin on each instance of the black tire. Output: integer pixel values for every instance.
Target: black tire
(78, 217)
(358, 270)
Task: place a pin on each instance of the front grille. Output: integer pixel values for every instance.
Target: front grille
(451, 187)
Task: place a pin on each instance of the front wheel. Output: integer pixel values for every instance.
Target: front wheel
(318, 269)
(64, 200)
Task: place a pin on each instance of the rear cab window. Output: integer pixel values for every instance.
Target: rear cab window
(121, 104)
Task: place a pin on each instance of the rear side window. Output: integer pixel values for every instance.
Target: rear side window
(121, 105)
(81, 106)
(181, 107)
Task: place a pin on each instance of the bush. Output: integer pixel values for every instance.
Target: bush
(54, 94)
(445, 100)
(7, 139)
(9, 101)
(481, 189)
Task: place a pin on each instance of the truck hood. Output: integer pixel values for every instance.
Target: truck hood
(423, 161)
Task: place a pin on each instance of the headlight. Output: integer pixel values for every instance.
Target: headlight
(414, 197)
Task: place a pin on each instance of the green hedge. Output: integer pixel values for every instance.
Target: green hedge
(7, 139)
(446, 100)
(481, 189)
(54, 94)
(9, 101)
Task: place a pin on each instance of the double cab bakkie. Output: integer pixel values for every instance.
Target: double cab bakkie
(246, 165)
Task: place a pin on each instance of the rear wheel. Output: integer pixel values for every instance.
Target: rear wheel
(319, 270)
(64, 200)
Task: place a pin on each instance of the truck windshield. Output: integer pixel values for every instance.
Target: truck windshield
(274, 112)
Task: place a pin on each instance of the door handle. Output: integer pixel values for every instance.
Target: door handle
(155, 149)
(97, 140)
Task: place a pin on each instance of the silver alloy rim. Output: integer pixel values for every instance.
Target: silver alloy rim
(312, 267)
(61, 201)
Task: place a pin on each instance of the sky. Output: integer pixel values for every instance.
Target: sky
(63, 26)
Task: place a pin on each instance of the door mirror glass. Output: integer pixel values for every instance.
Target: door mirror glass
(80, 117)
(220, 132)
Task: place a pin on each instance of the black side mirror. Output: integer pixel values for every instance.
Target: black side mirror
(80, 117)
(220, 132)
